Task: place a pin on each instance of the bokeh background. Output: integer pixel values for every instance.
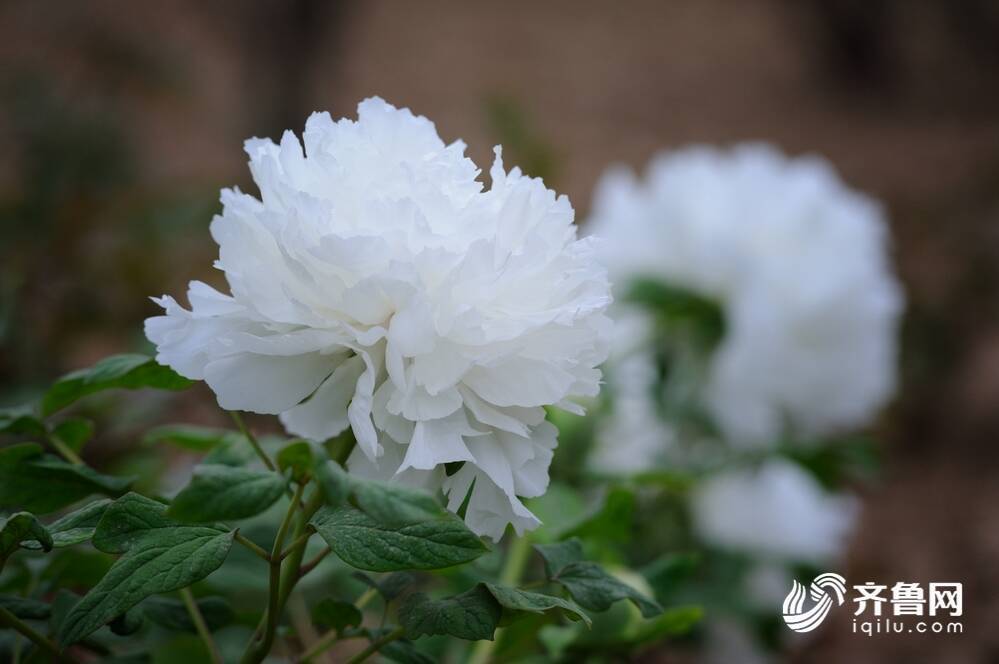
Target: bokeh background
(120, 121)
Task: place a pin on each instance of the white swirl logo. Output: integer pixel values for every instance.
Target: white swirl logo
(822, 589)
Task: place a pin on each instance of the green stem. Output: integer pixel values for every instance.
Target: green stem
(249, 544)
(64, 449)
(238, 419)
(10, 620)
(517, 556)
(299, 542)
(263, 639)
(377, 645)
(311, 565)
(200, 625)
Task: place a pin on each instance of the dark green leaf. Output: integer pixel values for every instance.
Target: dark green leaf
(404, 652)
(473, 615)
(21, 421)
(127, 623)
(432, 542)
(516, 601)
(18, 528)
(25, 609)
(672, 622)
(75, 527)
(333, 614)
(389, 587)
(160, 556)
(559, 555)
(43, 483)
(188, 436)
(587, 582)
(218, 492)
(172, 614)
(75, 432)
(119, 371)
(591, 586)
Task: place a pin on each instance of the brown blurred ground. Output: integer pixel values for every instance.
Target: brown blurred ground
(903, 97)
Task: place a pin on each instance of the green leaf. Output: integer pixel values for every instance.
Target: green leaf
(160, 556)
(672, 622)
(297, 456)
(172, 614)
(514, 600)
(75, 432)
(188, 436)
(18, 528)
(400, 651)
(679, 306)
(75, 527)
(612, 522)
(25, 609)
(588, 583)
(218, 492)
(21, 420)
(395, 504)
(333, 614)
(434, 541)
(42, 483)
(591, 586)
(119, 371)
(473, 615)
(333, 481)
(390, 586)
(560, 555)
(127, 623)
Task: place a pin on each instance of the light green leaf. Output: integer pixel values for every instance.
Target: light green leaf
(171, 613)
(333, 614)
(42, 483)
(18, 528)
(218, 493)
(395, 504)
(119, 371)
(612, 522)
(333, 481)
(75, 527)
(188, 436)
(160, 556)
(559, 555)
(434, 541)
(516, 600)
(473, 615)
(298, 457)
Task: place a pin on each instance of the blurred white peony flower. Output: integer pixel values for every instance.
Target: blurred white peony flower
(775, 511)
(798, 263)
(632, 438)
(376, 285)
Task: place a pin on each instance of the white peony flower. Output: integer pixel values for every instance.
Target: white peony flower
(797, 261)
(376, 285)
(775, 511)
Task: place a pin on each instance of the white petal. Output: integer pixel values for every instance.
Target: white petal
(324, 415)
(266, 384)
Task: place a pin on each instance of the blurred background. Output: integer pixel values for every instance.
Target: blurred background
(119, 123)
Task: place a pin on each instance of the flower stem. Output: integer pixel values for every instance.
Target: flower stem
(8, 619)
(64, 449)
(260, 647)
(311, 565)
(377, 645)
(238, 419)
(517, 556)
(200, 625)
(249, 544)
